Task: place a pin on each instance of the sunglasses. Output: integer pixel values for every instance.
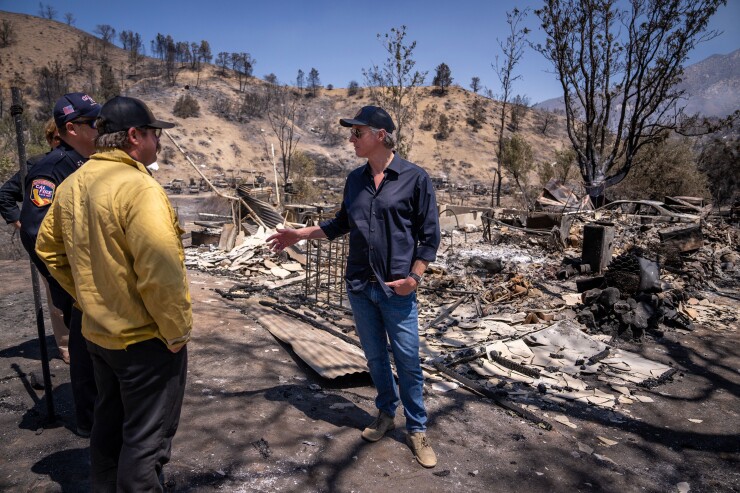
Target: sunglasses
(157, 131)
(90, 123)
(357, 133)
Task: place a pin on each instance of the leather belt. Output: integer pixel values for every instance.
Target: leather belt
(372, 278)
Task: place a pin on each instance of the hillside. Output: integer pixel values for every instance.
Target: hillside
(224, 145)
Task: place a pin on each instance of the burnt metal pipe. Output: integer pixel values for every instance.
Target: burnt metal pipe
(16, 111)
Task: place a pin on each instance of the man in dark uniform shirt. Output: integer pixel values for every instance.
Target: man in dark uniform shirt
(10, 191)
(74, 115)
(10, 194)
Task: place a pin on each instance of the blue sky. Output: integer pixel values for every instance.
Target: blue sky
(339, 38)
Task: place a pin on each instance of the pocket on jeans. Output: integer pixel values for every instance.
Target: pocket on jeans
(402, 297)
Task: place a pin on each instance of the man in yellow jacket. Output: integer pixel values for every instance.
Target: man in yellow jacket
(112, 241)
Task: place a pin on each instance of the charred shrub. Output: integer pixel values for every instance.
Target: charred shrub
(186, 107)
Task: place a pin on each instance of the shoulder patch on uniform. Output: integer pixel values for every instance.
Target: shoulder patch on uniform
(42, 192)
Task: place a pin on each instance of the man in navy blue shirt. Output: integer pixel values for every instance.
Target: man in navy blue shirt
(11, 192)
(390, 212)
(74, 115)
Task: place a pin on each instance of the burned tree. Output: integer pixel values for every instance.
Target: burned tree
(394, 86)
(300, 80)
(314, 82)
(107, 34)
(222, 61)
(282, 117)
(7, 33)
(47, 11)
(546, 120)
(201, 54)
(108, 85)
(512, 49)
(618, 69)
(519, 106)
(131, 42)
(243, 65)
(52, 82)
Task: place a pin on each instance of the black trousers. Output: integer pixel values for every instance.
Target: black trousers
(140, 395)
(84, 390)
(82, 375)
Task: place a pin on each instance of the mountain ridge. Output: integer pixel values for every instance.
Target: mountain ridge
(712, 87)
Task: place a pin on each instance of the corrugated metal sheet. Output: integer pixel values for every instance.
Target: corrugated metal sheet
(267, 213)
(329, 356)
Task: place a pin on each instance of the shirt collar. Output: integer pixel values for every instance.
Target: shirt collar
(75, 156)
(396, 165)
(120, 156)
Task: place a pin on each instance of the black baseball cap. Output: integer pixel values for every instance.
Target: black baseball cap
(372, 116)
(73, 106)
(121, 113)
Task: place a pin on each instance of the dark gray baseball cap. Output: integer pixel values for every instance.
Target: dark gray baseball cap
(121, 113)
(372, 116)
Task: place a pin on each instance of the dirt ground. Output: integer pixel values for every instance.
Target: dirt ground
(254, 421)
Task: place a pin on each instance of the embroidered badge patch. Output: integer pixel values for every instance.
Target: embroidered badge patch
(42, 192)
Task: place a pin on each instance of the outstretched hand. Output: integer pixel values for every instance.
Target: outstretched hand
(283, 239)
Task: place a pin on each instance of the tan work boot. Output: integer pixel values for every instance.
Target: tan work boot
(421, 448)
(378, 428)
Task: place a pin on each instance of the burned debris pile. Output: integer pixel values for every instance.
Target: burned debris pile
(528, 320)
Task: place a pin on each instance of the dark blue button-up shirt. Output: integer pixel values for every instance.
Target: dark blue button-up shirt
(389, 228)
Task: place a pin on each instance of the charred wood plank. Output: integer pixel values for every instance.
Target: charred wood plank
(446, 312)
(230, 294)
(683, 238)
(512, 365)
(476, 388)
(598, 357)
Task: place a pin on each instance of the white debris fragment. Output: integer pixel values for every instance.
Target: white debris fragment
(571, 299)
(604, 458)
(444, 386)
(564, 420)
(683, 487)
(606, 441)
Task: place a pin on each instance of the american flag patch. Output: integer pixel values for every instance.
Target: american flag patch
(68, 109)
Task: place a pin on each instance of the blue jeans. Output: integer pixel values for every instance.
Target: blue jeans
(378, 319)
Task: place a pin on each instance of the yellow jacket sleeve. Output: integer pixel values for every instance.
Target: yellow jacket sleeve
(50, 249)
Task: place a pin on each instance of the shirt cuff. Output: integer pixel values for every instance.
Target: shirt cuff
(426, 253)
(330, 229)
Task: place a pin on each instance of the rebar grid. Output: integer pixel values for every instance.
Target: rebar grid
(325, 264)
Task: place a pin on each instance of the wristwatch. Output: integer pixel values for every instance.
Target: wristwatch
(416, 277)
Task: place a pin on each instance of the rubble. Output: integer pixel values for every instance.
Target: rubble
(513, 316)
